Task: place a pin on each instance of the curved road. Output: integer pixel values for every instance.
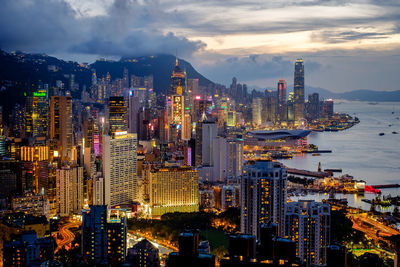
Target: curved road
(66, 234)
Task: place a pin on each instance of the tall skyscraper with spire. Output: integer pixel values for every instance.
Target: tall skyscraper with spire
(298, 90)
(178, 80)
(178, 109)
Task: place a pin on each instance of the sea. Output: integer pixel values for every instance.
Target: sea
(359, 151)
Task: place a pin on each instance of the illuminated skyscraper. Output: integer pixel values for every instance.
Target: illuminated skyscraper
(263, 196)
(308, 224)
(173, 189)
(178, 80)
(61, 124)
(256, 109)
(290, 107)
(178, 105)
(119, 168)
(234, 158)
(231, 121)
(282, 110)
(298, 90)
(36, 160)
(69, 190)
(36, 114)
(117, 114)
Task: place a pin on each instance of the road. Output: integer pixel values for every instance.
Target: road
(370, 227)
(165, 247)
(66, 235)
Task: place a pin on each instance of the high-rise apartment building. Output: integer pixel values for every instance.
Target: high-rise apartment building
(298, 90)
(117, 114)
(133, 114)
(119, 168)
(94, 234)
(228, 197)
(116, 236)
(69, 190)
(173, 189)
(263, 196)
(234, 158)
(61, 124)
(209, 133)
(308, 224)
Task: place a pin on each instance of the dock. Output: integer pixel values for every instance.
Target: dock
(309, 173)
(383, 186)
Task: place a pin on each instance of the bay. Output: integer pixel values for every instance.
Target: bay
(360, 151)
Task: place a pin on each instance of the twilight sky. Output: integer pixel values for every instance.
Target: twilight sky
(346, 45)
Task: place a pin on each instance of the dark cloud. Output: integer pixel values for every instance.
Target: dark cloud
(52, 26)
(253, 67)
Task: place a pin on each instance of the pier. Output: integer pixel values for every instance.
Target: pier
(383, 186)
(309, 173)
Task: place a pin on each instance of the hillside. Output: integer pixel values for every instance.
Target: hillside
(160, 66)
(21, 72)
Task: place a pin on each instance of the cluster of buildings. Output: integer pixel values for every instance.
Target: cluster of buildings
(279, 108)
(123, 150)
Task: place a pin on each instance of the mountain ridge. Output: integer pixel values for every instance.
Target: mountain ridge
(20, 72)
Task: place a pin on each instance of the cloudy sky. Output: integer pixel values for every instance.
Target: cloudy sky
(346, 45)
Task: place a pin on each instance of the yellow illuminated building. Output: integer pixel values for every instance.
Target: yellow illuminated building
(173, 189)
(34, 153)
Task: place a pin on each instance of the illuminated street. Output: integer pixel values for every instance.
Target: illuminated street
(66, 235)
(371, 227)
(134, 237)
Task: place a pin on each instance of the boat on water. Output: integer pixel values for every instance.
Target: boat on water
(380, 134)
(394, 132)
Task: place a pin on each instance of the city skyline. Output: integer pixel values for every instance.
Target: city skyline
(140, 160)
(340, 41)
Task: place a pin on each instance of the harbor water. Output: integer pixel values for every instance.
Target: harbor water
(359, 151)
